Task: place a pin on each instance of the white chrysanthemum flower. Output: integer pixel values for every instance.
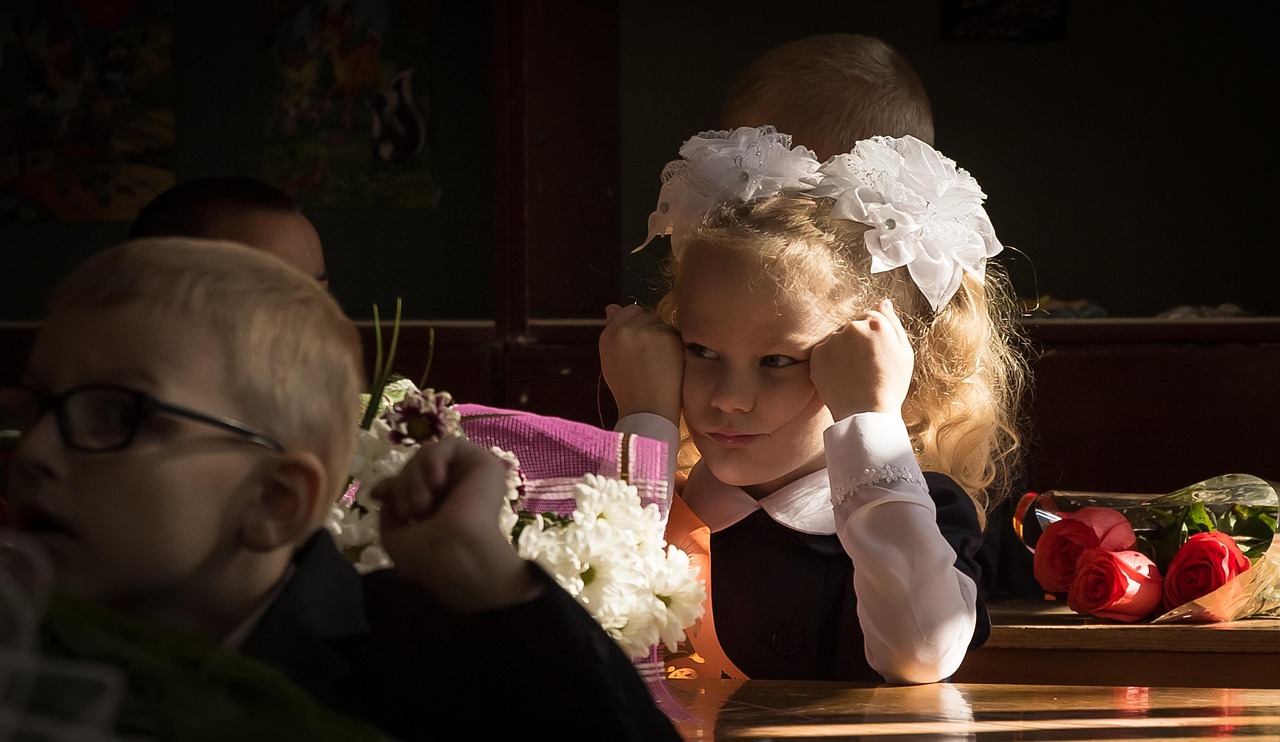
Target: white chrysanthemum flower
(515, 480)
(545, 544)
(507, 519)
(371, 447)
(377, 458)
(406, 417)
(609, 562)
(677, 586)
(337, 514)
(610, 555)
(618, 503)
(639, 612)
(352, 528)
(649, 527)
(373, 557)
(397, 389)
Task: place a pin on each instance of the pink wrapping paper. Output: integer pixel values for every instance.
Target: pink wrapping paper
(554, 454)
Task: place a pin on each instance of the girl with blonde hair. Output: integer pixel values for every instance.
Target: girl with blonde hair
(840, 354)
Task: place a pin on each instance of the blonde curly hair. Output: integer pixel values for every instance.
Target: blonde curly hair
(969, 377)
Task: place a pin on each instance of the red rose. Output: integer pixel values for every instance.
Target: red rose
(1205, 563)
(1062, 542)
(1120, 585)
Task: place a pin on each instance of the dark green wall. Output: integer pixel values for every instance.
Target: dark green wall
(1132, 162)
(440, 261)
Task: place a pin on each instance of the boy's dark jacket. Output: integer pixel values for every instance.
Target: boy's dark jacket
(381, 648)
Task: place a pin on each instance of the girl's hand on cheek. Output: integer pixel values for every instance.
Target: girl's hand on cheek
(864, 366)
(642, 359)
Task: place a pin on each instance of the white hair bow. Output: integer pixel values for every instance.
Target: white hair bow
(922, 210)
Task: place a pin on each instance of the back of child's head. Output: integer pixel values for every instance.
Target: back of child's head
(240, 209)
(187, 209)
(293, 357)
(829, 91)
(968, 375)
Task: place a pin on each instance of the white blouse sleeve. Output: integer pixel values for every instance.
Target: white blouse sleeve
(917, 610)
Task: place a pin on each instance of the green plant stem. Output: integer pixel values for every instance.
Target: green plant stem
(381, 365)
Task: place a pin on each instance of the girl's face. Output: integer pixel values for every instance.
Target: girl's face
(749, 403)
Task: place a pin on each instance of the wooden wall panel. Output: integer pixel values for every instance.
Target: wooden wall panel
(561, 381)
(465, 361)
(1116, 406)
(1151, 406)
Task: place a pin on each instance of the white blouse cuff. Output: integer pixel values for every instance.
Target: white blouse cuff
(874, 451)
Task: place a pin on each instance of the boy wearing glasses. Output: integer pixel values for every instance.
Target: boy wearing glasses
(185, 427)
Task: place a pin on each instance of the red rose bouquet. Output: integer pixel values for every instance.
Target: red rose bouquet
(1203, 553)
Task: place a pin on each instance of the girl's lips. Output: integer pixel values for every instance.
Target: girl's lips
(732, 440)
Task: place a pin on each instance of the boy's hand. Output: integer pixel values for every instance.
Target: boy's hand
(642, 359)
(439, 525)
(864, 366)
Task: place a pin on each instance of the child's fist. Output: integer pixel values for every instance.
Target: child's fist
(864, 366)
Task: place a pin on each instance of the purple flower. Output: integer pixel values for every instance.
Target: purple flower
(422, 417)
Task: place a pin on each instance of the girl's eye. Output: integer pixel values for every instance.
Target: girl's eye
(777, 361)
(699, 351)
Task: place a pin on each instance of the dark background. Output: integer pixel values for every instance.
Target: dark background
(439, 260)
(1127, 159)
(1124, 155)
(1130, 161)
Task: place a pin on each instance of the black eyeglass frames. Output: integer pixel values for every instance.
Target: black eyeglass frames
(103, 417)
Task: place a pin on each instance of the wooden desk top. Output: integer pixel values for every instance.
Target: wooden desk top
(764, 709)
(1050, 624)
(1044, 642)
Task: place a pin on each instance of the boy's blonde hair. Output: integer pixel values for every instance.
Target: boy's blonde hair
(830, 91)
(961, 410)
(293, 357)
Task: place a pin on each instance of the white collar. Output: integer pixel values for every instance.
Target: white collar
(804, 505)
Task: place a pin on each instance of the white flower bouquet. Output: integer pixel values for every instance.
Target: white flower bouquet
(610, 554)
(587, 504)
(593, 533)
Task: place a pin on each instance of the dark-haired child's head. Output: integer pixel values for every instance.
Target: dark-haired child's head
(239, 209)
(830, 91)
(195, 427)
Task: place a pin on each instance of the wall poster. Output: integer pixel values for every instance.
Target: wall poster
(86, 108)
(348, 106)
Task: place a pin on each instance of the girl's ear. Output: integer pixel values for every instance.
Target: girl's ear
(285, 510)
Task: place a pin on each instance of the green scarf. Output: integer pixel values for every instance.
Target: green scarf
(182, 686)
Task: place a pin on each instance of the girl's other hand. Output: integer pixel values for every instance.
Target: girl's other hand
(642, 360)
(864, 366)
